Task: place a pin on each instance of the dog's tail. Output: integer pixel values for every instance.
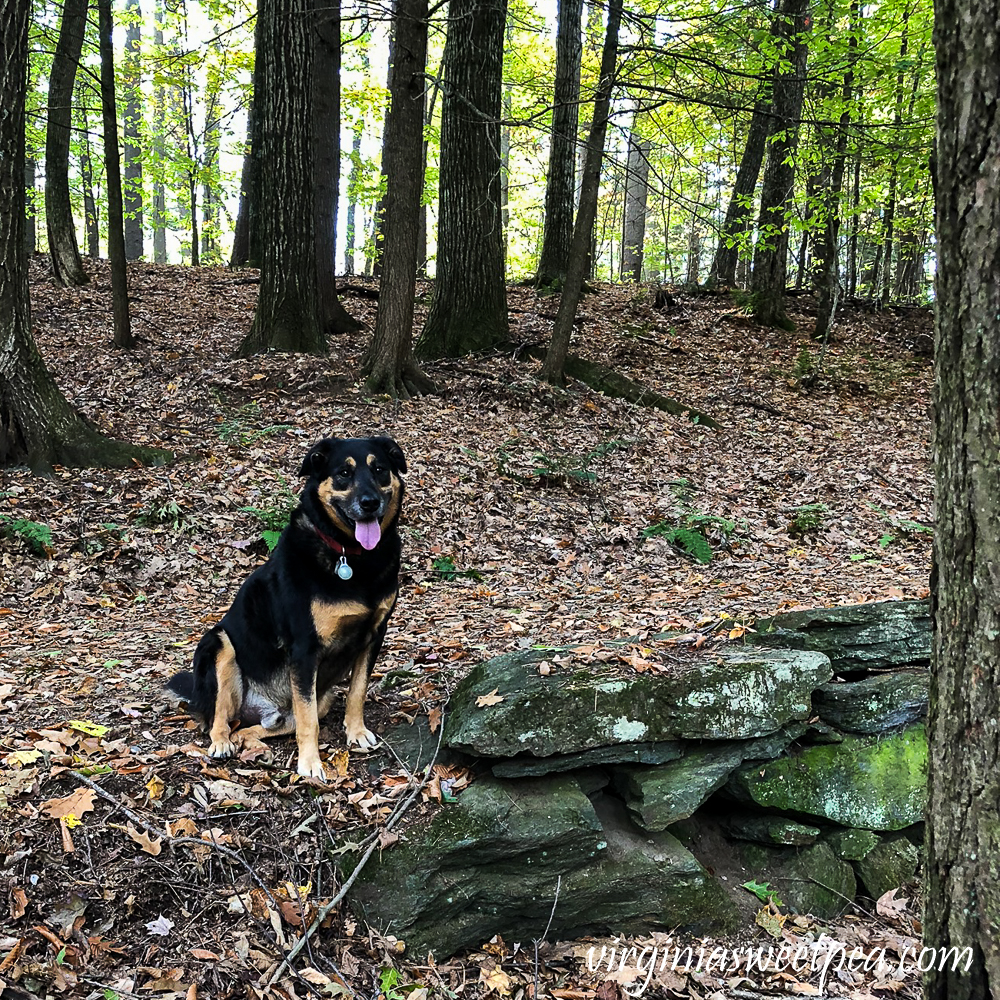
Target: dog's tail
(195, 689)
(180, 688)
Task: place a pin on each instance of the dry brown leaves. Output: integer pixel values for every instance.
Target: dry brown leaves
(524, 525)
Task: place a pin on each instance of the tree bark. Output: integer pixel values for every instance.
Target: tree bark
(67, 266)
(826, 271)
(389, 366)
(38, 427)
(287, 316)
(159, 149)
(560, 181)
(554, 366)
(469, 309)
(333, 317)
(962, 890)
(241, 231)
(739, 215)
(767, 281)
(132, 83)
(112, 169)
(636, 192)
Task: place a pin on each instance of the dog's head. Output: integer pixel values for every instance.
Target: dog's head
(358, 484)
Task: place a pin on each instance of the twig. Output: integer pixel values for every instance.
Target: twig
(328, 907)
(545, 934)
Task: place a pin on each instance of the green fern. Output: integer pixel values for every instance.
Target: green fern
(38, 537)
(691, 542)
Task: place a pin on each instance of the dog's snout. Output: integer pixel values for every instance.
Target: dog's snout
(369, 504)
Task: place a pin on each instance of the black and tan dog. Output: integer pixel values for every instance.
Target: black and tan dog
(313, 615)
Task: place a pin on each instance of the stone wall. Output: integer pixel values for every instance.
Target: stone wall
(622, 802)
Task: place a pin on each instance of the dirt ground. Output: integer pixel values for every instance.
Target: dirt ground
(135, 866)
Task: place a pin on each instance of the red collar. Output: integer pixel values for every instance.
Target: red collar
(341, 550)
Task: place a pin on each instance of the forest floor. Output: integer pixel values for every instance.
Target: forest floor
(533, 515)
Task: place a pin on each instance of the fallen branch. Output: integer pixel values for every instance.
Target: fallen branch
(374, 840)
(609, 382)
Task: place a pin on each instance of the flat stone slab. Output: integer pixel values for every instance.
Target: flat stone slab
(866, 782)
(659, 796)
(526, 766)
(729, 695)
(876, 704)
(771, 830)
(494, 861)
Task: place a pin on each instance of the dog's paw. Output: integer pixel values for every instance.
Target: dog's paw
(361, 737)
(221, 749)
(311, 769)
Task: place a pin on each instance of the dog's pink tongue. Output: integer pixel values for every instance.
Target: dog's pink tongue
(367, 533)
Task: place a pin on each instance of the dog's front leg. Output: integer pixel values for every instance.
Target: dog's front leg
(307, 724)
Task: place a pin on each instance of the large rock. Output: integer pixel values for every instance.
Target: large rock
(527, 766)
(874, 784)
(491, 862)
(876, 704)
(659, 796)
(889, 865)
(850, 844)
(806, 880)
(732, 695)
(857, 637)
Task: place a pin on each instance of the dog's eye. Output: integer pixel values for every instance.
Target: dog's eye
(344, 474)
(379, 470)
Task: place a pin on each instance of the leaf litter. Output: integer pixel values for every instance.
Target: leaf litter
(531, 518)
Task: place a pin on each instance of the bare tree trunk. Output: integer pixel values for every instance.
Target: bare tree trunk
(469, 309)
(287, 316)
(132, 83)
(333, 317)
(560, 181)
(112, 170)
(636, 192)
(767, 282)
(554, 366)
(961, 887)
(739, 215)
(159, 130)
(67, 265)
(241, 231)
(389, 366)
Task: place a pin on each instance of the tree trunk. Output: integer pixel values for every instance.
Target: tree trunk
(333, 317)
(159, 151)
(767, 282)
(287, 316)
(67, 265)
(554, 366)
(91, 220)
(353, 186)
(826, 273)
(739, 215)
(469, 309)
(693, 254)
(241, 231)
(132, 83)
(389, 366)
(38, 427)
(961, 887)
(210, 201)
(112, 170)
(560, 181)
(636, 192)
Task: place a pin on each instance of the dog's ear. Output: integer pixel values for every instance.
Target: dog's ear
(319, 454)
(392, 452)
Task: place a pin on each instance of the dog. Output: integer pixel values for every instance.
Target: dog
(312, 616)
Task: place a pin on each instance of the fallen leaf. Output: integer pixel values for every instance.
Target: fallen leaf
(75, 804)
(161, 926)
(485, 700)
(145, 840)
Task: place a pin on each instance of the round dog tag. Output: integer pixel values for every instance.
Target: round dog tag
(343, 570)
